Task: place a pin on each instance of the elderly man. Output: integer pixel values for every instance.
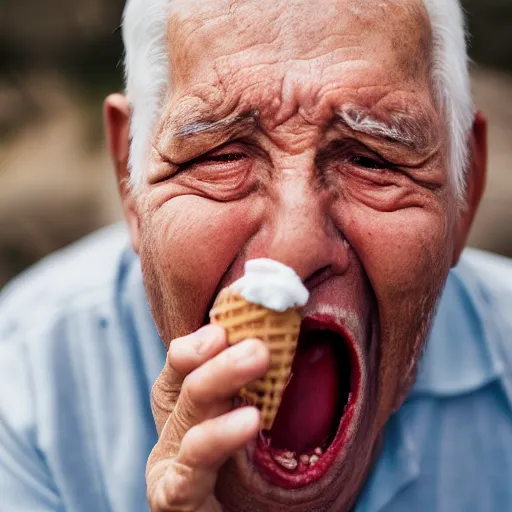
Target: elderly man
(337, 137)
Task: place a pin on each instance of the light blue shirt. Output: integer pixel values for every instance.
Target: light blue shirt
(79, 353)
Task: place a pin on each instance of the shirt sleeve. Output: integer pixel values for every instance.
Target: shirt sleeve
(25, 480)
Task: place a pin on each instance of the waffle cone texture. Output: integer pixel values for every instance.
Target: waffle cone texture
(279, 331)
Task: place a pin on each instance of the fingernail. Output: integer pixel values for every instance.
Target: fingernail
(206, 337)
(246, 417)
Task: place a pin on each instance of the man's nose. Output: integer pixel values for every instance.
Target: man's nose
(303, 234)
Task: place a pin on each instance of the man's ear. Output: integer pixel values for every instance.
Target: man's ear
(117, 114)
(476, 180)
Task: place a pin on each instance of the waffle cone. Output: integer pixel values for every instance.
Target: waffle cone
(279, 331)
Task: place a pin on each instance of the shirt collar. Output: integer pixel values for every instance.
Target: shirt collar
(397, 467)
(462, 353)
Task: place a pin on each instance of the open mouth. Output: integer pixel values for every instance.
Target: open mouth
(317, 409)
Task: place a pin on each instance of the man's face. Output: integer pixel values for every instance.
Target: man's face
(306, 132)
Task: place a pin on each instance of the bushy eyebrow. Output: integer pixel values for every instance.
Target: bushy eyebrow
(185, 130)
(413, 132)
(185, 137)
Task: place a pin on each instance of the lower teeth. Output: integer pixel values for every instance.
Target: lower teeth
(304, 459)
(287, 463)
(288, 459)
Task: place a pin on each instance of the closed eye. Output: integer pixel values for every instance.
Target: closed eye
(368, 163)
(220, 164)
(354, 154)
(222, 158)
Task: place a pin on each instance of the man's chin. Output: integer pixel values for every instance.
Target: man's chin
(310, 460)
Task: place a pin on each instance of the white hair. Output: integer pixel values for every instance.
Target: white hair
(147, 71)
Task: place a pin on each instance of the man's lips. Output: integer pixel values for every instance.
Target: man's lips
(318, 409)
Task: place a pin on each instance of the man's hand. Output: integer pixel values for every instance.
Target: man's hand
(192, 401)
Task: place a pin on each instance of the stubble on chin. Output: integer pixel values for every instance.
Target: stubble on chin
(422, 314)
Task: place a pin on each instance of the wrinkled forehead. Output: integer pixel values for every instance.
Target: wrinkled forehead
(248, 43)
(202, 30)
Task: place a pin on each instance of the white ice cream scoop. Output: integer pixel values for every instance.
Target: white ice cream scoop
(271, 284)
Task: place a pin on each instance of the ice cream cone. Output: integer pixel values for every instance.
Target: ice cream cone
(278, 330)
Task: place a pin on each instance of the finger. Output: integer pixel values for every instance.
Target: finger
(188, 480)
(184, 355)
(188, 353)
(209, 390)
(210, 444)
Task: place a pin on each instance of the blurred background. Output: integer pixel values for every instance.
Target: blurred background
(58, 60)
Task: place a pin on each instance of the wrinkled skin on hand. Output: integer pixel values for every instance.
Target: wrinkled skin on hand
(260, 151)
(191, 402)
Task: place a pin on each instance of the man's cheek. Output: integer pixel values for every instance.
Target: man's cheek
(400, 250)
(407, 270)
(193, 241)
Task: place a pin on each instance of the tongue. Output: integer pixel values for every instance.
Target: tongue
(309, 411)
